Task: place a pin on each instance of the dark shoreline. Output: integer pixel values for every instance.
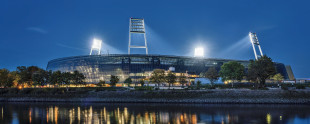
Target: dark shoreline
(216, 96)
(155, 102)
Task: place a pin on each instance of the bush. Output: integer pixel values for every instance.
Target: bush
(284, 87)
(212, 87)
(236, 85)
(3, 91)
(81, 90)
(222, 86)
(40, 91)
(271, 84)
(108, 89)
(259, 88)
(56, 91)
(300, 86)
(25, 91)
(144, 88)
(263, 88)
(99, 89)
(13, 91)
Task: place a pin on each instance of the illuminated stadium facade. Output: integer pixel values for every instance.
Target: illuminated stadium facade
(98, 67)
(101, 67)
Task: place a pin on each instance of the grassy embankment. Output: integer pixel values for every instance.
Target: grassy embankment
(205, 94)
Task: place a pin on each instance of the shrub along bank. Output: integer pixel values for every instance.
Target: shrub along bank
(147, 94)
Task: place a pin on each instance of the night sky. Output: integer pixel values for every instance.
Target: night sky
(34, 32)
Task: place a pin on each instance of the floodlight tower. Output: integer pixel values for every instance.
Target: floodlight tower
(96, 46)
(255, 43)
(136, 25)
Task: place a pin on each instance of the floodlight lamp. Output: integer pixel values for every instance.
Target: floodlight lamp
(199, 52)
(96, 44)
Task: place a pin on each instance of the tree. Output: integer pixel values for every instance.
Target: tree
(23, 74)
(56, 78)
(193, 83)
(170, 78)
(183, 79)
(212, 75)
(81, 79)
(40, 77)
(141, 82)
(16, 78)
(6, 78)
(78, 78)
(66, 78)
(101, 83)
(31, 70)
(277, 77)
(128, 81)
(48, 75)
(232, 71)
(158, 76)
(261, 69)
(26, 73)
(251, 77)
(4, 74)
(114, 80)
(198, 84)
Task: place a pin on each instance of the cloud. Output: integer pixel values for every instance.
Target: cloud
(37, 29)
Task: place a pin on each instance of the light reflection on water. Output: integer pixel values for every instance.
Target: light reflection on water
(97, 113)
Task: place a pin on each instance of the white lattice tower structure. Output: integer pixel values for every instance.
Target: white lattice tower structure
(255, 43)
(136, 26)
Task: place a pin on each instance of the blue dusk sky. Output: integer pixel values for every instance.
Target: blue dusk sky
(32, 32)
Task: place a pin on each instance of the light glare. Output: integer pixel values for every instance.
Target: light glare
(199, 52)
(96, 44)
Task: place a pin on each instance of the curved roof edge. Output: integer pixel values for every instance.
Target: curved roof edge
(142, 55)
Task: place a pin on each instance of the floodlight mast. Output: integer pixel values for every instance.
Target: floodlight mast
(96, 47)
(254, 41)
(136, 25)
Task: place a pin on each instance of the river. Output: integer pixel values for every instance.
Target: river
(127, 113)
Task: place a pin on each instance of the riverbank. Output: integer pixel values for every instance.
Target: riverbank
(238, 96)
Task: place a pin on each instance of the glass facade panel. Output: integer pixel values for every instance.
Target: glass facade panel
(101, 67)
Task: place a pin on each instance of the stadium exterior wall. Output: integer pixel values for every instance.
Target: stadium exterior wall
(136, 66)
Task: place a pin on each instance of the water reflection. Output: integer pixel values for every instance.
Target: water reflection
(151, 113)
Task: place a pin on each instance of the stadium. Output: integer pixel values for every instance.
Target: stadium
(99, 66)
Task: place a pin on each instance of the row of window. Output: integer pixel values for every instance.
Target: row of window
(101, 67)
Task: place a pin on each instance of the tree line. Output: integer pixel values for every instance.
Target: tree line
(258, 72)
(35, 76)
(158, 76)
